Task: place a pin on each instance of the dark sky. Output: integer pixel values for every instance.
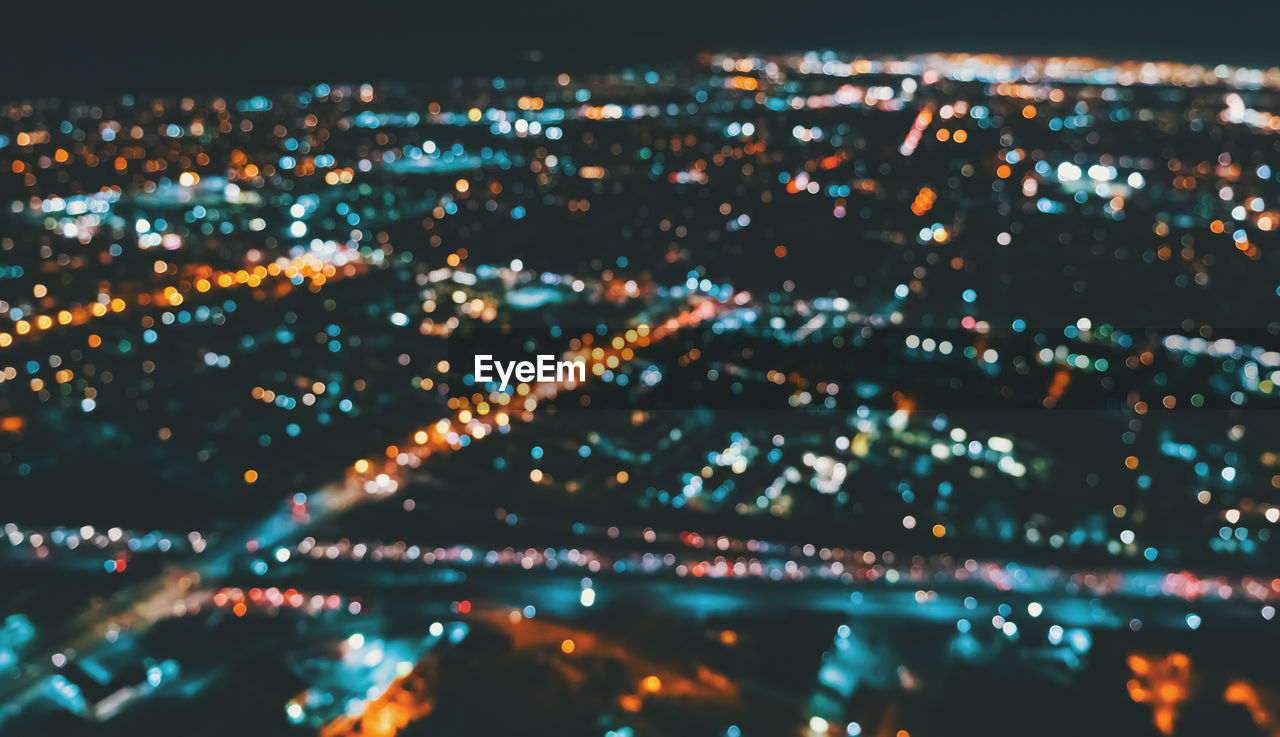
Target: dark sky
(50, 48)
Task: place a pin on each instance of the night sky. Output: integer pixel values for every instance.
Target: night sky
(52, 49)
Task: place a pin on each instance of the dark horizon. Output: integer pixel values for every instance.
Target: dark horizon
(270, 48)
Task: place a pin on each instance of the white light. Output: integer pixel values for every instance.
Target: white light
(588, 597)
(436, 629)
(1068, 172)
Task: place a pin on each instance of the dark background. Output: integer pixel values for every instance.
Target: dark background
(84, 50)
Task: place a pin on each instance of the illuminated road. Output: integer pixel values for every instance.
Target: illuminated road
(139, 607)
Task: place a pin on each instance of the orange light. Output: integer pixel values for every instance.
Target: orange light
(250, 476)
(652, 684)
(567, 647)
